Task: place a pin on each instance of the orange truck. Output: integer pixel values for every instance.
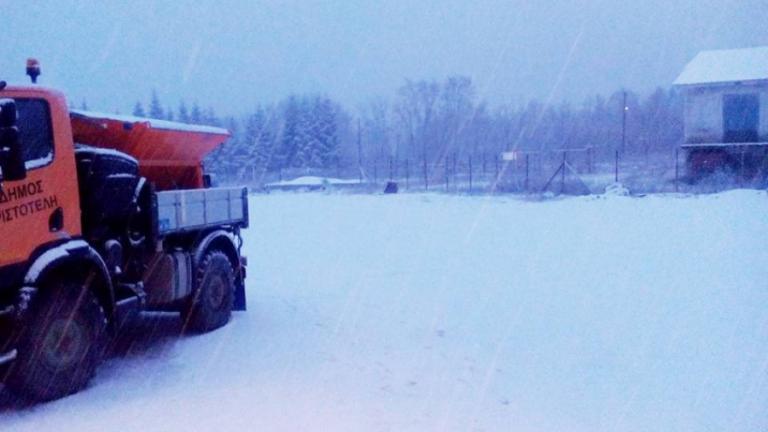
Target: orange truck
(101, 217)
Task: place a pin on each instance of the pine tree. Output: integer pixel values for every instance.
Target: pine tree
(155, 109)
(224, 159)
(195, 116)
(138, 110)
(290, 140)
(183, 113)
(258, 140)
(327, 137)
(304, 137)
(209, 118)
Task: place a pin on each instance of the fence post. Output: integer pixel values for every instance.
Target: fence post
(391, 171)
(562, 174)
(496, 163)
(359, 152)
(470, 173)
(446, 171)
(616, 168)
(455, 182)
(589, 160)
(527, 171)
(407, 174)
(426, 178)
(375, 171)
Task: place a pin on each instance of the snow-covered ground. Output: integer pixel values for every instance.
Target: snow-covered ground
(442, 313)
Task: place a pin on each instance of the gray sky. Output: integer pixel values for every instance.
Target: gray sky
(232, 54)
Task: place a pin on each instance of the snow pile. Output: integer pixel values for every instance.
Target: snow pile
(311, 181)
(616, 189)
(443, 313)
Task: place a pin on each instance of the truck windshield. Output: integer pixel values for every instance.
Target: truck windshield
(35, 132)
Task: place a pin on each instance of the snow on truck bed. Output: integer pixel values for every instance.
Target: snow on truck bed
(442, 313)
(154, 123)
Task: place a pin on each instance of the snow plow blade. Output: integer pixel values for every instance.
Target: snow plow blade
(170, 154)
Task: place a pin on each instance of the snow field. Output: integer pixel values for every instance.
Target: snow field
(435, 312)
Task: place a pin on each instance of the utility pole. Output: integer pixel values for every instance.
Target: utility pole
(624, 110)
(359, 152)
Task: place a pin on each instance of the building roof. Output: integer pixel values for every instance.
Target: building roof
(723, 66)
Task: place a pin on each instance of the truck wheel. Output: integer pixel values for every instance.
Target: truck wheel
(60, 345)
(211, 305)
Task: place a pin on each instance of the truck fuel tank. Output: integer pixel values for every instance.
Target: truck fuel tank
(168, 278)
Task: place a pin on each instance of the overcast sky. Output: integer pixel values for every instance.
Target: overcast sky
(232, 54)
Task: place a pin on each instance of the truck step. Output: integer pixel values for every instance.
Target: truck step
(127, 309)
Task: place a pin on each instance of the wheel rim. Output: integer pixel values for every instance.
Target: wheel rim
(64, 344)
(217, 291)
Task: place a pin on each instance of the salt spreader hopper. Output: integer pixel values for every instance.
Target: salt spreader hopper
(170, 154)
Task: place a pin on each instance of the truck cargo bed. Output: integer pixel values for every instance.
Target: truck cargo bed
(196, 209)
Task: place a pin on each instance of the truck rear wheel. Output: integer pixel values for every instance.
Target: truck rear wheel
(60, 345)
(211, 305)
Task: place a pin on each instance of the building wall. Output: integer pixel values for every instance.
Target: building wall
(704, 111)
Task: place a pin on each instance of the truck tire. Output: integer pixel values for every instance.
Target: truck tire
(211, 305)
(61, 343)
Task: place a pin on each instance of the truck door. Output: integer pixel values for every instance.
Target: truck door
(37, 211)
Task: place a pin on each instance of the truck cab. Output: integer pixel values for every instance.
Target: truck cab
(102, 217)
(43, 208)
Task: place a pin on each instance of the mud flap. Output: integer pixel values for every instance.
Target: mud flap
(238, 302)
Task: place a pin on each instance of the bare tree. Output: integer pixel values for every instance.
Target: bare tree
(378, 130)
(416, 108)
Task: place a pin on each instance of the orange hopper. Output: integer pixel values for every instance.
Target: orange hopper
(170, 154)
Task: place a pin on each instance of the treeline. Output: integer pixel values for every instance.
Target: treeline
(300, 132)
(431, 120)
(183, 114)
(427, 120)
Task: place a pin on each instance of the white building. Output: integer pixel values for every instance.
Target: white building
(726, 96)
(726, 112)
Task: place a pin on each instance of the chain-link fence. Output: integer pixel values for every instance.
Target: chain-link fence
(565, 171)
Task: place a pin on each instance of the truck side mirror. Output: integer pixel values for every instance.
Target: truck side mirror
(11, 156)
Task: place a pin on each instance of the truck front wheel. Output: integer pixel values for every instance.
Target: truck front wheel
(61, 343)
(211, 305)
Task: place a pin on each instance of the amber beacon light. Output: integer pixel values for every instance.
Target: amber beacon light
(33, 69)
